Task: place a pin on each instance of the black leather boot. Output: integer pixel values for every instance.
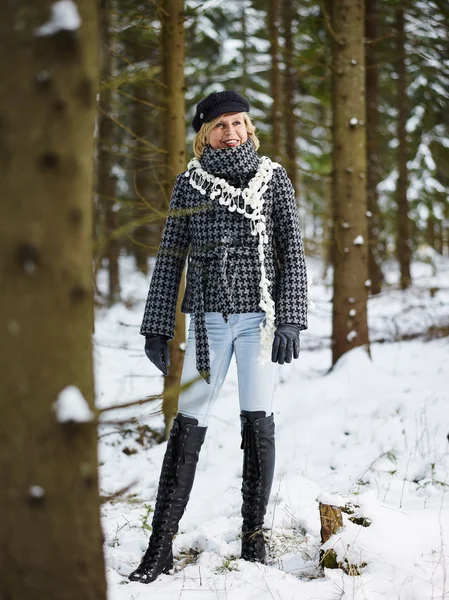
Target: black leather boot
(175, 485)
(258, 470)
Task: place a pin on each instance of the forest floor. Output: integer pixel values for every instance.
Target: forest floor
(373, 432)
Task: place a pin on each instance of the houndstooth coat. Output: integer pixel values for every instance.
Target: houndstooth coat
(223, 261)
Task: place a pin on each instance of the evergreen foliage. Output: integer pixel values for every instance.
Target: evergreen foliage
(227, 47)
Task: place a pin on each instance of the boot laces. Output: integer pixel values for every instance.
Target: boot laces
(152, 553)
(249, 445)
(254, 543)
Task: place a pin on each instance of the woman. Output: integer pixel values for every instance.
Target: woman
(235, 216)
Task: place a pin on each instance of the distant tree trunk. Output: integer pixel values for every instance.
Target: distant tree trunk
(438, 236)
(175, 146)
(324, 116)
(350, 252)
(430, 231)
(445, 237)
(288, 15)
(50, 534)
(106, 181)
(326, 192)
(245, 58)
(372, 146)
(403, 240)
(273, 28)
(142, 185)
(327, 244)
(147, 164)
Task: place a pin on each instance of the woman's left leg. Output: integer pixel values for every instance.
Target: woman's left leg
(256, 389)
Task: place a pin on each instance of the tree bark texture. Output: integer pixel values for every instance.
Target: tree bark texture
(403, 226)
(288, 16)
(331, 520)
(50, 534)
(372, 145)
(174, 127)
(273, 28)
(106, 181)
(350, 252)
(175, 132)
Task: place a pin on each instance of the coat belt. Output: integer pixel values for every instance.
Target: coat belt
(200, 257)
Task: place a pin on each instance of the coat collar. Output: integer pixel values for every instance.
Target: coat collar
(231, 162)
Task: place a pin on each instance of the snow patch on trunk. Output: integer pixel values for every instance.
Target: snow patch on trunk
(64, 17)
(71, 406)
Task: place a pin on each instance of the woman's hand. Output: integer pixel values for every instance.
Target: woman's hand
(285, 343)
(157, 350)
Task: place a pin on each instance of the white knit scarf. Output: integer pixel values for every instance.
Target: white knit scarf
(240, 200)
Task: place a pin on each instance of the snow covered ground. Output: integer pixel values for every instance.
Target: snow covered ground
(372, 431)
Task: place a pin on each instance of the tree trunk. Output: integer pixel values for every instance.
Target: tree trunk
(350, 254)
(403, 241)
(372, 146)
(273, 28)
(438, 236)
(106, 181)
(326, 191)
(430, 231)
(175, 132)
(246, 82)
(50, 534)
(324, 116)
(142, 183)
(288, 15)
(147, 162)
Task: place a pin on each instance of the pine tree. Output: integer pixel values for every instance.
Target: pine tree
(142, 57)
(372, 145)
(175, 163)
(350, 327)
(50, 534)
(403, 232)
(289, 87)
(273, 22)
(107, 134)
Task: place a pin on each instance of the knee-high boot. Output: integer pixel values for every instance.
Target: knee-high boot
(175, 485)
(258, 470)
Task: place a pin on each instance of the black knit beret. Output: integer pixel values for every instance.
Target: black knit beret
(218, 103)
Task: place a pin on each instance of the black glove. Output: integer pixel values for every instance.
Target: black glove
(157, 350)
(285, 343)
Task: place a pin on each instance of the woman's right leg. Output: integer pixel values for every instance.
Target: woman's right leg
(197, 398)
(175, 485)
(183, 447)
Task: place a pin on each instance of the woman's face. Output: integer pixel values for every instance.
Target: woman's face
(229, 132)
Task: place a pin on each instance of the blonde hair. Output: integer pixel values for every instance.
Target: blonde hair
(201, 139)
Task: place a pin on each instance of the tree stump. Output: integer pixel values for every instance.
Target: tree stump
(331, 521)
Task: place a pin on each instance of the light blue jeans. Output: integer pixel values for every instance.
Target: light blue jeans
(240, 335)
